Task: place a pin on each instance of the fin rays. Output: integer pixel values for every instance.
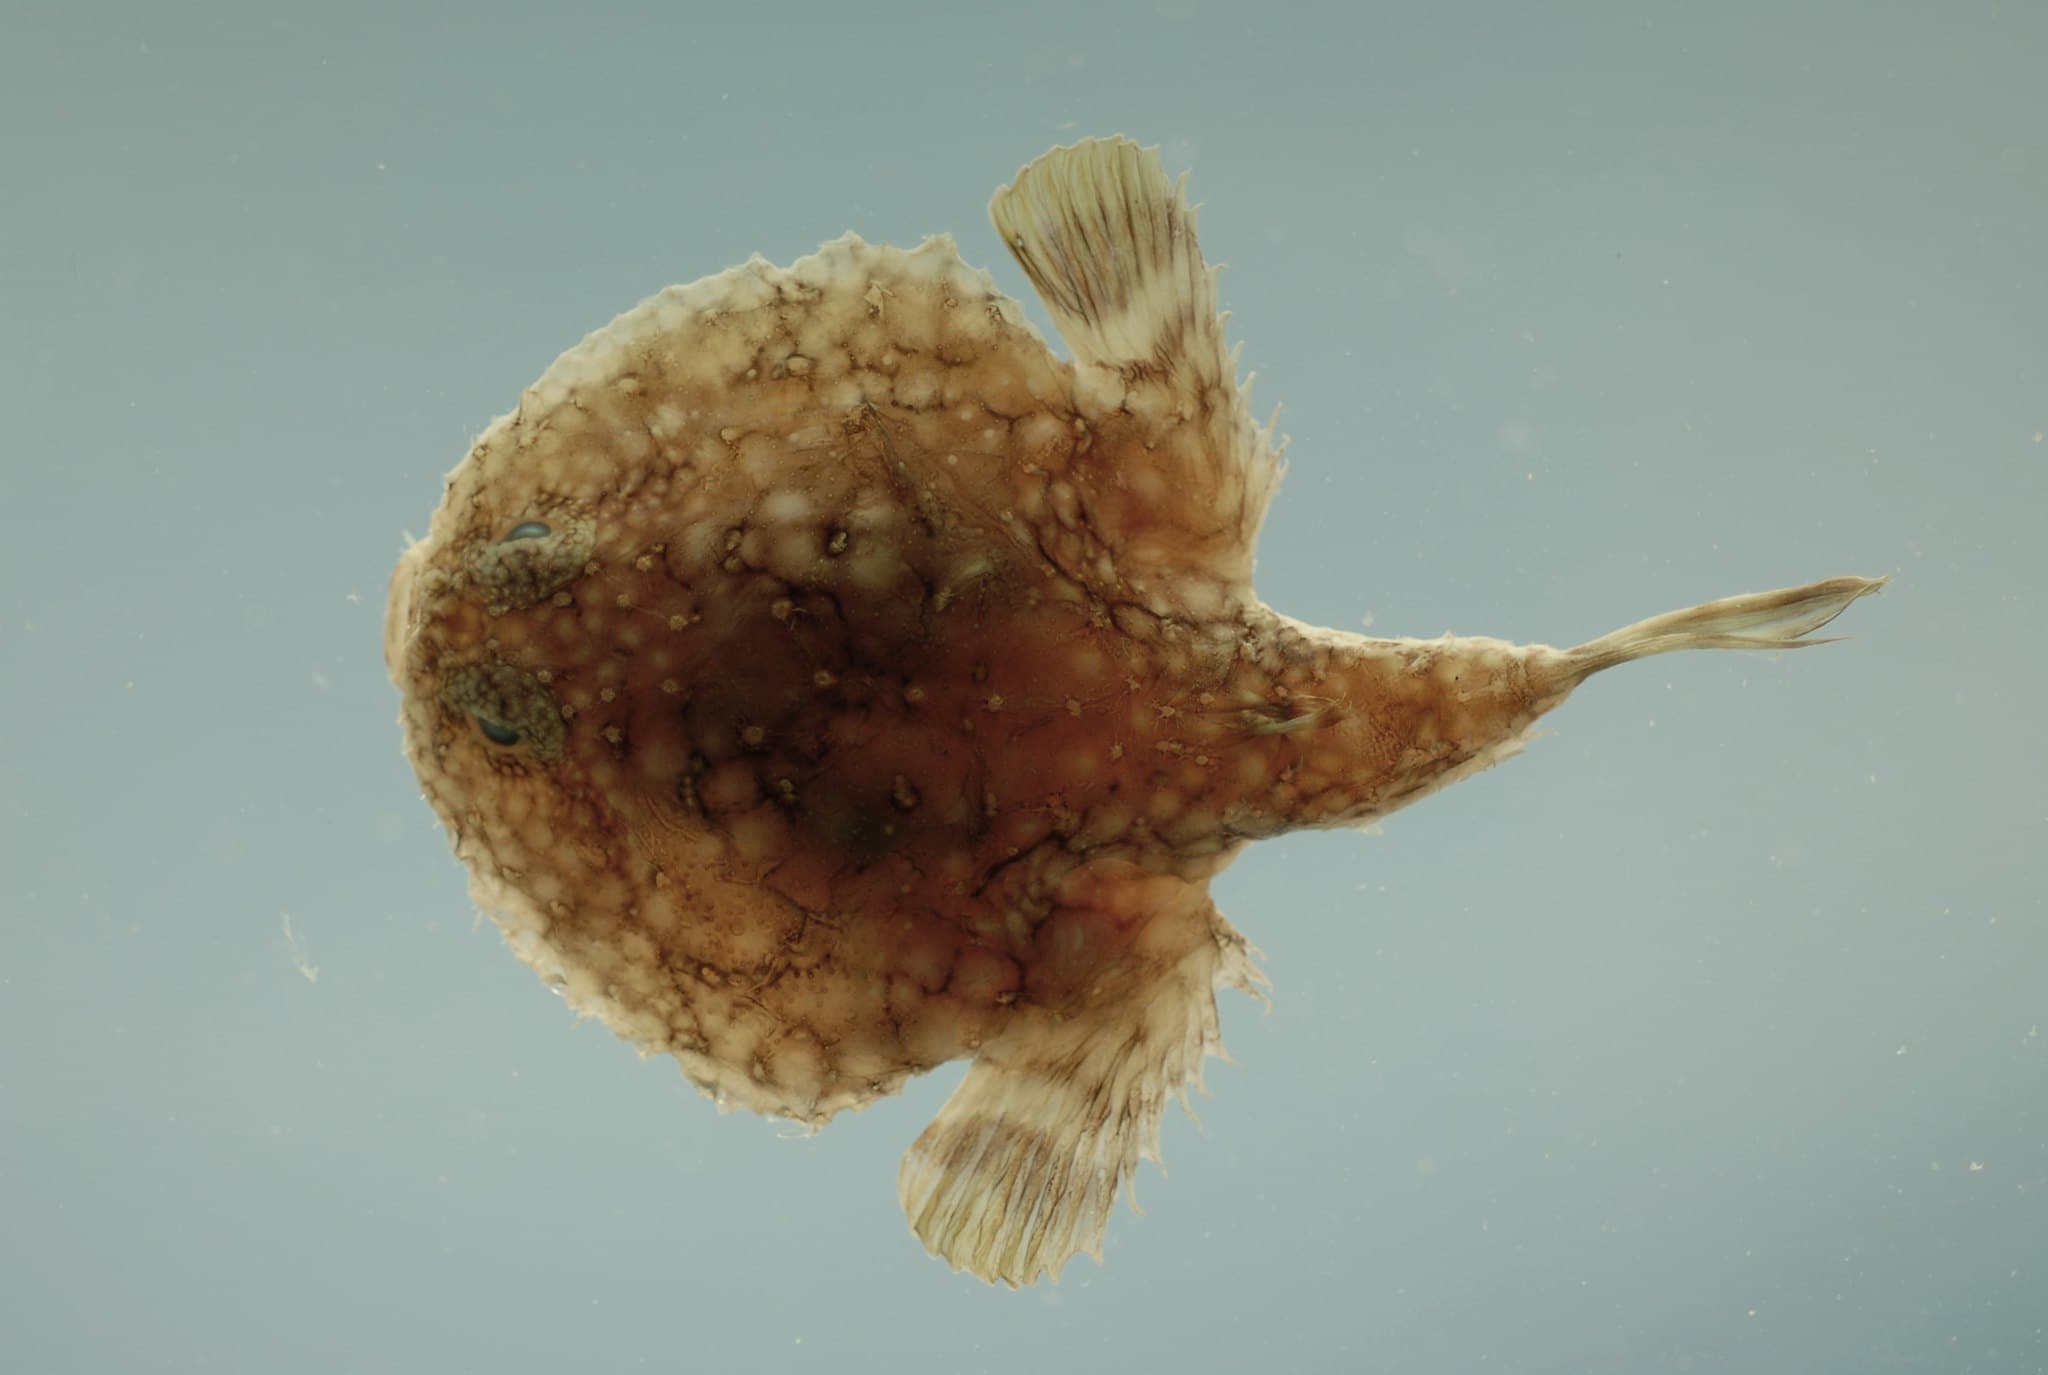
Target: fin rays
(1109, 243)
(1783, 619)
(1020, 1168)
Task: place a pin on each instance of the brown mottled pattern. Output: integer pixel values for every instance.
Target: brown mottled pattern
(821, 681)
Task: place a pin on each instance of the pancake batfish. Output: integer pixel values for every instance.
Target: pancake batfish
(822, 680)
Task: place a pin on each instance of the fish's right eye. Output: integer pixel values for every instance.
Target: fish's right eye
(497, 732)
(527, 529)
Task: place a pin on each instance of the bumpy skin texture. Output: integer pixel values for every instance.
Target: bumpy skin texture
(816, 702)
(821, 681)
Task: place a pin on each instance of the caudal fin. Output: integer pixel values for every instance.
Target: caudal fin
(1784, 619)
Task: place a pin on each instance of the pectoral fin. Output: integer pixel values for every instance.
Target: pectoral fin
(1019, 1169)
(1109, 243)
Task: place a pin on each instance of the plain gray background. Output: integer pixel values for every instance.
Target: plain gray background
(1705, 1036)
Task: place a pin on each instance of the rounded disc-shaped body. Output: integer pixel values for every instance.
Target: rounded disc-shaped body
(772, 675)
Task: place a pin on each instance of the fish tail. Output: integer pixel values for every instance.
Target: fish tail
(1784, 619)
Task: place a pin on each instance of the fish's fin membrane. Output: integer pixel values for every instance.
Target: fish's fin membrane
(1784, 619)
(1109, 242)
(1018, 1171)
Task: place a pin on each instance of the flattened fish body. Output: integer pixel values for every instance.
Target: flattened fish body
(822, 681)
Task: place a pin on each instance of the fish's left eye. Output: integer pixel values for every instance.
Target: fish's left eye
(497, 732)
(528, 529)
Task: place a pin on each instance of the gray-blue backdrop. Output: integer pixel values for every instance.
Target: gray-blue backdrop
(1705, 1036)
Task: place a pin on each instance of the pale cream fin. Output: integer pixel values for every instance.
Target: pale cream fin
(1109, 242)
(1019, 1170)
(1784, 619)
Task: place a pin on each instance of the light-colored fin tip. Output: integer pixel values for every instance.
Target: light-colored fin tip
(1784, 619)
(1108, 240)
(1017, 1173)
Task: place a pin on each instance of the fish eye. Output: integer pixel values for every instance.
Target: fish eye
(497, 732)
(529, 529)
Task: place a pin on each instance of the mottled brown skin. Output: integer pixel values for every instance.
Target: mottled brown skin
(822, 681)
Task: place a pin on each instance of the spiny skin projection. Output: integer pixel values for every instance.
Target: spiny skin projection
(822, 681)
